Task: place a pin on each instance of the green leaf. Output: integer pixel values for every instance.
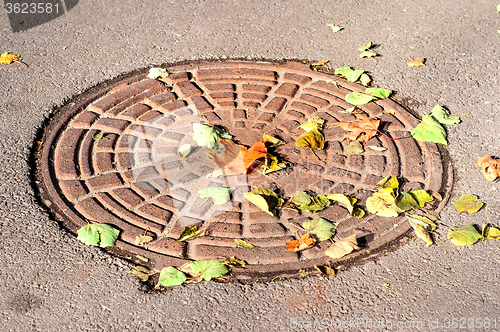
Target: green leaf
(142, 273)
(189, 233)
(243, 244)
(305, 202)
(184, 151)
(421, 196)
(406, 202)
(320, 228)
(389, 182)
(378, 92)
(342, 71)
(365, 47)
(429, 130)
(101, 235)
(353, 75)
(97, 137)
(469, 203)
(367, 54)
(265, 199)
(354, 147)
(313, 124)
(208, 136)
(365, 79)
(208, 269)
(443, 116)
(219, 195)
(490, 232)
(334, 27)
(170, 276)
(358, 98)
(312, 139)
(345, 200)
(462, 236)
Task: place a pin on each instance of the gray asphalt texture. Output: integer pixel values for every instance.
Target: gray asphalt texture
(49, 281)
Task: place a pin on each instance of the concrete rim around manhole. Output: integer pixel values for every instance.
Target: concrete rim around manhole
(133, 178)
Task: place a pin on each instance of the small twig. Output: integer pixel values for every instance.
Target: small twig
(22, 63)
(146, 231)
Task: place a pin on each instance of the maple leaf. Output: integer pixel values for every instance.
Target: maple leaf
(305, 242)
(237, 159)
(366, 126)
(489, 166)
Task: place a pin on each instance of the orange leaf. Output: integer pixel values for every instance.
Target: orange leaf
(305, 242)
(366, 126)
(490, 167)
(237, 159)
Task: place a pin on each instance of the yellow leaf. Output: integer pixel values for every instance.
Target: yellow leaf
(469, 203)
(334, 27)
(326, 270)
(312, 139)
(313, 123)
(320, 63)
(343, 247)
(418, 62)
(423, 234)
(367, 54)
(273, 141)
(490, 232)
(7, 58)
(365, 47)
(365, 79)
(354, 148)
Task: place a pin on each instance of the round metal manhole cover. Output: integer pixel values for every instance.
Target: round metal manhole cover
(133, 178)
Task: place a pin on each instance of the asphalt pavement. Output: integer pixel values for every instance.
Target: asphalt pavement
(49, 281)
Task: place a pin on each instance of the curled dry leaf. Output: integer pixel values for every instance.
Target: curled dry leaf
(489, 166)
(265, 199)
(343, 247)
(237, 159)
(189, 233)
(423, 234)
(334, 27)
(155, 73)
(490, 232)
(367, 126)
(354, 148)
(142, 240)
(417, 62)
(142, 273)
(365, 79)
(305, 242)
(243, 244)
(7, 58)
(326, 270)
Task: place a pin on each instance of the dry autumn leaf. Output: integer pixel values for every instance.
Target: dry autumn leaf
(7, 58)
(237, 159)
(417, 62)
(343, 247)
(489, 166)
(367, 126)
(305, 242)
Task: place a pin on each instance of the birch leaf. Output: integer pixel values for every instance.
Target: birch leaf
(320, 228)
(443, 116)
(343, 247)
(406, 202)
(208, 269)
(469, 203)
(367, 54)
(421, 196)
(353, 75)
(344, 200)
(429, 130)
(462, 236)
(101, 235)
(313, 124)
(358, 98)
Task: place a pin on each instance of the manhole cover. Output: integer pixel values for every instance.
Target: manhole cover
(134, 179)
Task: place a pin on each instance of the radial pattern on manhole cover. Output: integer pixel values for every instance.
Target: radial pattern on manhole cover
(134, 179)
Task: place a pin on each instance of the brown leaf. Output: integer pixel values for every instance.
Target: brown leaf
(237, 159)
(489, 166)
(305, 242)
(367, 126)
(312, 139)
